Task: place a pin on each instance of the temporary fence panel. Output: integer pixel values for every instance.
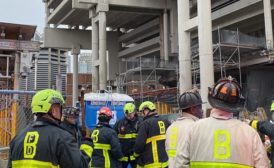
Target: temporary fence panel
(15, 113)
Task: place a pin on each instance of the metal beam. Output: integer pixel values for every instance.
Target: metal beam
(142, 36)
(147, 44)
(143, 53)
(151, 4)
(58, 13)
(150, 26)
(233, 8)
(254, 61)
(77, 5)
(65, 17)
(244, 15)
(191, 24)
(5, 55)
(15, 45)
(65, 38)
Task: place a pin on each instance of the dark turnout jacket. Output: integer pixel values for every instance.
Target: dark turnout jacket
(267, 128)
(73, 130)
(150, 142)
(45, 144)
(107, 150)
(127, 134)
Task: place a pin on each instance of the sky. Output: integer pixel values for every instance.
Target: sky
(29, 12)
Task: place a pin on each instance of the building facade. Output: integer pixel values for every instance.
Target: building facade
(204, 39)
(85, 63)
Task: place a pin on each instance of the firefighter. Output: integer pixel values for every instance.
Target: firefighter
(267, 128)
(190, 104)
(150, 142)
(221, 140)
(107, 149)
(44, 143)
(69, 123)
(127, 132)
(272, 112)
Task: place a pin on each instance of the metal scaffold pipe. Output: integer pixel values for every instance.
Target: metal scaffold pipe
(75, 80)
(17, 92)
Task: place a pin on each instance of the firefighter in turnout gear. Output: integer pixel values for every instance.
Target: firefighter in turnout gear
(44, 143)
(221, 140)
(70, 116)
(150, 142)
(191, 105)
(107, 149)
(127, 132)
(267, 128)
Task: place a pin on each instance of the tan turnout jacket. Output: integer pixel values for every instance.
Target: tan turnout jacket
(221, 141)
(176, 135)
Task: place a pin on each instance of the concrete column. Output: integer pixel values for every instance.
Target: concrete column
(268, 24)
(173, 25)
(46, 15)
(95, 53)
(184, 47)
(166, 40)
(102, 50)
(162, 46)
(205, 48)
(75, 52)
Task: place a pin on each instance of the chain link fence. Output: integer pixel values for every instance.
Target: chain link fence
(15, 115)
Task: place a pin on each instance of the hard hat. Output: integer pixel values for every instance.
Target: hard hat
(129, 108)
(42, 100)
(189, 99)
(226, 95)
(71, 111)
(147, 105)
(272, 107)
(106, 111)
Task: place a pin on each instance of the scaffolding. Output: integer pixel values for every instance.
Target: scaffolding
(149, 78)
(228, 49)
(142, 77)
(5, 73)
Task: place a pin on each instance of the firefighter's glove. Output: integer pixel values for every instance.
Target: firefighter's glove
(253, 124)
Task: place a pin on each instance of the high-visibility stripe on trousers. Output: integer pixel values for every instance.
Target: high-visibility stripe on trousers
(153, 140)
(105, 148)
(32, 164)
(154, 165)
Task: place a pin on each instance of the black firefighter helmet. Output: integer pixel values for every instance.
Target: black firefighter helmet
(226, 95)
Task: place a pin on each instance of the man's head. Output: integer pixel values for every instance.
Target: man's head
(226, 95)
(129, 110)
(71, 114)
(147, 107)
(191, 102)
(105, 115)
(48, 102)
